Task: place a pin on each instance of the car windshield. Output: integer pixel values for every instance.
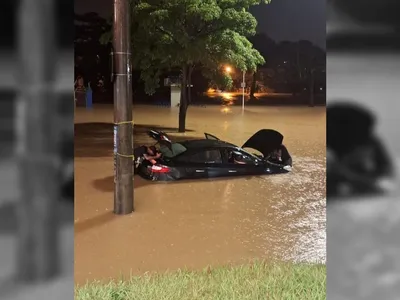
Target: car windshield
(176, 149)
(250, 154)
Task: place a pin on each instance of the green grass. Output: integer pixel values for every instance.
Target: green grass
(255, 281)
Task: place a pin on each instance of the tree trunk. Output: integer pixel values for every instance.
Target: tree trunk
(311, 102)
(189, 79)
(253, 85)
(184, 100)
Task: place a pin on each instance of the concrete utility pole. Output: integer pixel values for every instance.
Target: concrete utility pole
(123, 130)
(36, 145)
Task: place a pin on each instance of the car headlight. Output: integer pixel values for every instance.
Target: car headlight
(287, 168)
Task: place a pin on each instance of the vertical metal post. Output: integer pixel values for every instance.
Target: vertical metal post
(123, 132)
(243, 87)
(36, 147)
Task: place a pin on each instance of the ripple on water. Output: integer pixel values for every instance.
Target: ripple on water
(290, 224)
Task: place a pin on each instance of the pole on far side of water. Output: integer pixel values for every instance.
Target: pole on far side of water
(243, 87)
(123, 128)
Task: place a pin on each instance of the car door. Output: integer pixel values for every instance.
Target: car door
(214, 163)
(249, 166)
(203, 163)
(194, 164)
(206, 163)
(188, 166)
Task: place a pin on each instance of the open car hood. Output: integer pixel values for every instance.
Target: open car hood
(160, 137)
(265, 141)
(347, 125)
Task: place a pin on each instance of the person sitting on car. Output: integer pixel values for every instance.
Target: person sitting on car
(281, 156)
(364, 169)
(146, 153)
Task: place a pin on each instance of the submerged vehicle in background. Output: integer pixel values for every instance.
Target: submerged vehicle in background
(210, 157)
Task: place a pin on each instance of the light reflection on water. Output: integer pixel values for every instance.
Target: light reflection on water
(290, 225)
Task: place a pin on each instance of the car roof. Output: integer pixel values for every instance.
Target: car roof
(207, 143)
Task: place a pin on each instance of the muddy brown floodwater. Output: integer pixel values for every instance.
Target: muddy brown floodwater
(198, 223)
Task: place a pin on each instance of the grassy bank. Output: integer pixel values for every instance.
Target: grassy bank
(253, 281)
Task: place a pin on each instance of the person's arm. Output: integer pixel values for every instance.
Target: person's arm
(152, 158)
(337, 168)
(383, 167)
(239, 162)
(352, 177)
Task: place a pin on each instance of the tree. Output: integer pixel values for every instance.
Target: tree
(190, 34)
(267, 48)
(253, 85)
(90, 56)
(301, 64)
(310, 60)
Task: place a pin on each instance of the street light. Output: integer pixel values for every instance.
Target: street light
(228, 69)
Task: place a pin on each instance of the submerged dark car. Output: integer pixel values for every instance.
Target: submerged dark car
(211, 157)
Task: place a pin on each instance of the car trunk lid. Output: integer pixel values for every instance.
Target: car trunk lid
(160, 137)
(264, 141)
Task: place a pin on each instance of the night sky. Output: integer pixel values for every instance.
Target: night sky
(290, 20)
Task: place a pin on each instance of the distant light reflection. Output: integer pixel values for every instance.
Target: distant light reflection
(226, 110)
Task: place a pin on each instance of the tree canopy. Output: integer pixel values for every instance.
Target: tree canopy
(173, 34)
(183, 34)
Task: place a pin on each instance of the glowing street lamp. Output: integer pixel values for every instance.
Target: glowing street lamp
(228, 70)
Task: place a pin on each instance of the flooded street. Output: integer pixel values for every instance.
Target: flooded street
(197, 223)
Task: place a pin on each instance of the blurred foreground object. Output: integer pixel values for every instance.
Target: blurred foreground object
(362, 25)
(382, 12)
(37, 140)
(357, 162)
